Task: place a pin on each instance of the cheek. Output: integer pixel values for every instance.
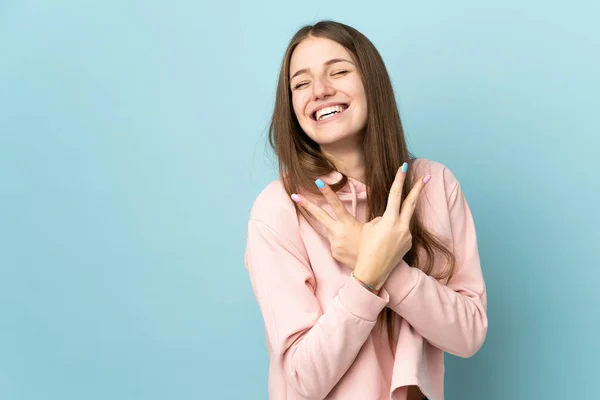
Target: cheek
(295, 105)
(363, 103)
(299, 105)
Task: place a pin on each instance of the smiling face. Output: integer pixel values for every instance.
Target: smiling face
(328, 95)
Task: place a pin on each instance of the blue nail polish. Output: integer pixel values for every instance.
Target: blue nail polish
(320, 184)
(404, 167)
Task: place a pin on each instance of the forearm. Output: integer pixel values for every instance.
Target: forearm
(452, 319)
(317, 360)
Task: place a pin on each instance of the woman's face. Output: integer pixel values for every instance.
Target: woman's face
(328, 96)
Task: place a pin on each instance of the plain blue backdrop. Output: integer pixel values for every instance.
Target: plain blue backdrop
(132, 145)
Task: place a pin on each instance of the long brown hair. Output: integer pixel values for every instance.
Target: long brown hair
(385, 149)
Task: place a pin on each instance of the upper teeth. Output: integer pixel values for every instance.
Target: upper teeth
(328, 110)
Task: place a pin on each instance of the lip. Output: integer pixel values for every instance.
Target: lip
(337, 103)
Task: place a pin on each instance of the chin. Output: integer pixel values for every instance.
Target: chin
(335, 139)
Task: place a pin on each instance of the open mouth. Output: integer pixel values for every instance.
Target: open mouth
(329, 112)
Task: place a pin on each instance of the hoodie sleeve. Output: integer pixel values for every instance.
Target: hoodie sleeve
(452, 317)
(314, 347)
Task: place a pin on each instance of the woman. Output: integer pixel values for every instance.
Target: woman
(363, 259)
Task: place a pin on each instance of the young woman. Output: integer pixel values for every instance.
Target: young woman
(363, 259)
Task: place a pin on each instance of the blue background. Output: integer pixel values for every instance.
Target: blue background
(132, 146)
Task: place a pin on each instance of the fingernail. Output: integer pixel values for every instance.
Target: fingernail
(404, 167)
(296, 197)
(319, 184)
(426, 179)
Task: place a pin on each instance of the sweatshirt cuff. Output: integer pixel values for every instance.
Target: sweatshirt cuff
(401, 281)
(360, 302)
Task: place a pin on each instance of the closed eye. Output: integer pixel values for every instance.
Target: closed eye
(336, 73)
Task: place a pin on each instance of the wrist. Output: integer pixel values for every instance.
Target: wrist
(373, 280)
(368, 286)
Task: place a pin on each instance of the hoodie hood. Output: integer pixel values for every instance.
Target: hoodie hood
(352, 192)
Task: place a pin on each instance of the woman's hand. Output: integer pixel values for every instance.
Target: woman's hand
(385, 240)
(343, 233)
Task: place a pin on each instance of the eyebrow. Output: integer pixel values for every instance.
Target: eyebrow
(332, 61)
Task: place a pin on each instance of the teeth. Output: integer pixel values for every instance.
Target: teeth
(328, 110)
(327, 116)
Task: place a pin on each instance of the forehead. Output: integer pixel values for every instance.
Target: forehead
(313, 52)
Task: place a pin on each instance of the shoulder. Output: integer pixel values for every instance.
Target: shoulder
(272, 204)
(273, 218)
(275, 211)
(443, 180)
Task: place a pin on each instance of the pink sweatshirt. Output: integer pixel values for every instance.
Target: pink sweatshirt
(319, 321)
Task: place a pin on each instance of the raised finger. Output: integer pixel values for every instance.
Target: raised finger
(410, 202)
(333, 200)
(315, 210)
(392, 209)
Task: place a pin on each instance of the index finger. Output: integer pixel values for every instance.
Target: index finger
(315, 210)
(410, 203)
(334, 201)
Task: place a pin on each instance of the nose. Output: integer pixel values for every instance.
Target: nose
(321, 88)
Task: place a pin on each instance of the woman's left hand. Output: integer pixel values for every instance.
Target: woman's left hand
(343, 233)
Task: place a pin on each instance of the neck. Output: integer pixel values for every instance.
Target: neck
(349, 160)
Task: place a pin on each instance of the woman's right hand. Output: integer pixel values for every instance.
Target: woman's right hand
(385, 240)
